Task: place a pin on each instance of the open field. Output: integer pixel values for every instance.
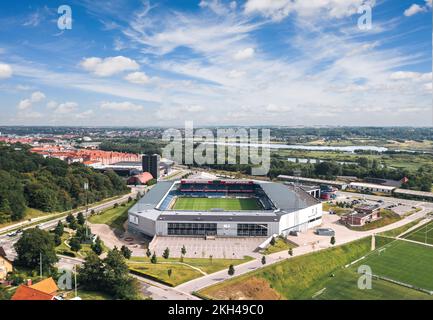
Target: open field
(206, 204)
(114, 217)
(189, 269)
(423, 234)
(403, 261)
(344, 287)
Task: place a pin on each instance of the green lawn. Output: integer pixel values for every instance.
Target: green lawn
(181, 272)
(404, 261)
(114, 217)
(89, 295)
(206, 204)
(280, 245)
(423, 234)
(397, 231)
(344, 286)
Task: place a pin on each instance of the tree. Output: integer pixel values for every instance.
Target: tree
(263, 260)
(231, 270)
(75, 244)
(80, 218)
(91, 274)
(126, 252)
(153, 259)
(332, 240)
(73, 224)
(57, 240)
(183, 250)
(97, 246)
(148, 253)
(34, 244)
(291, 252)
(60, 229)
(272, 243)
(70, 217)
(169, 272)
(166, 253)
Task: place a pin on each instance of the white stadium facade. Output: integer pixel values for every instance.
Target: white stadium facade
(281, 209)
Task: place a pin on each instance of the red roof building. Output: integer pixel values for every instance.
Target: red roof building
(142, 178)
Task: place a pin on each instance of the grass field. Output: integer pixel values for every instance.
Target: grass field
(397, 231)
(280, 245)
(423, 234)
(189, 269)
(344, 286)
(403, 261)
(114, 217)
(206, 204)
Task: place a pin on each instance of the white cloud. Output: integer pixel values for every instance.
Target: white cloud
(24, 104)
(235, 74)
(65, 108)
(108, 66)
(52, 104)
(37, 96)
(5, 71)
(408, 75)
(414, 9)
(429, 3)
(121, 106)
(138, 78)
(244, 54)
(280, 9)
(85, 114)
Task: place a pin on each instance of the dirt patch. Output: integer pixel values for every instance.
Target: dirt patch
(252, 288)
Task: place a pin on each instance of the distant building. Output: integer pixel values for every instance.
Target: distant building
(362, 215)
(370, 187)
(140, 179)
(151, 164)
(5, 264)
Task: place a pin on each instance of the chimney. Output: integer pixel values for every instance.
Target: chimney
(29, 282)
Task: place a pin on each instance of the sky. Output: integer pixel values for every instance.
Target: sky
(214, 62)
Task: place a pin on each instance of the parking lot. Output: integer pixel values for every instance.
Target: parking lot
(225, 248)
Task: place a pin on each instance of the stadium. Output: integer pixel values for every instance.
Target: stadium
(224, 208)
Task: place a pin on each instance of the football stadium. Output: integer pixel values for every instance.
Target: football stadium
(224, 208)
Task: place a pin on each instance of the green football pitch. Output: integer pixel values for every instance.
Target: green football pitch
(206, 204)
(423, 234)
(403, 261)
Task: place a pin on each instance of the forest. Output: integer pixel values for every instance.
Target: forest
(28, 180)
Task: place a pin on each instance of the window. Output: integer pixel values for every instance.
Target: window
(252, 230)
(133, 219)
(192, 229)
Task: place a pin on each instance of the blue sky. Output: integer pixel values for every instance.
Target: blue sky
(267, 62)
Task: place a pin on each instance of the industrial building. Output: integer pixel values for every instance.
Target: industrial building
(282, 209)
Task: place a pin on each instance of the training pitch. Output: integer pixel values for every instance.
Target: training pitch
(403, 261)
(423, 234)
(207, 204)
